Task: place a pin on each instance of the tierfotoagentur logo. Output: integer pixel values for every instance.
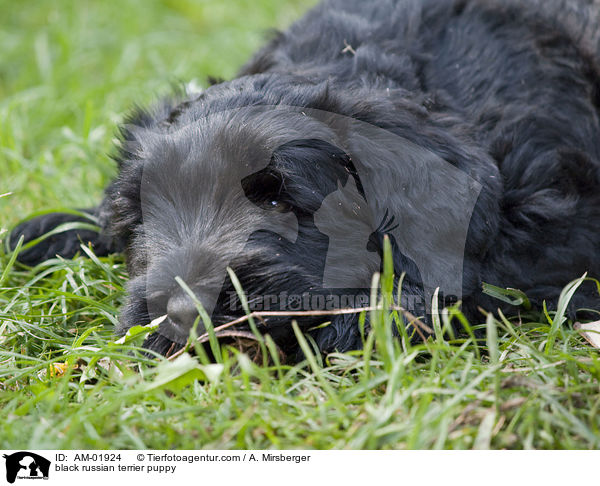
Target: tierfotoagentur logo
(26, 465)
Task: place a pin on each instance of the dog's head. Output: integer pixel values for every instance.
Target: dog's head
(241, 189)
(265, 177)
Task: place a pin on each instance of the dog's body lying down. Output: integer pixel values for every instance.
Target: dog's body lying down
(506, 93)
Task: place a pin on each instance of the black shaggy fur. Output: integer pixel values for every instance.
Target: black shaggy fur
(505, 90)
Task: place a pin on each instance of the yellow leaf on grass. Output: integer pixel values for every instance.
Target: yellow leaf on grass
(590, 331)
(58, 369)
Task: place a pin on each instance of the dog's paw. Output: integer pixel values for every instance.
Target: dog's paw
(62, 243)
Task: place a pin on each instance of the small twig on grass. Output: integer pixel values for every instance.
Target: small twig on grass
(509, 369)
(348, 48)
(262, 314)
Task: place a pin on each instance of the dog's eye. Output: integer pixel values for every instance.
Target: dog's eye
(267, 190)
(279, 205)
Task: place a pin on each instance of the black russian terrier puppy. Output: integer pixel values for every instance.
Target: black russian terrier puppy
(466, 130)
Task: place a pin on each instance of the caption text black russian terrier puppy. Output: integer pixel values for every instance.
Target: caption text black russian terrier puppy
(466, 130)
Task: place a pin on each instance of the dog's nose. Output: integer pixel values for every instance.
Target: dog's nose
(182, 312)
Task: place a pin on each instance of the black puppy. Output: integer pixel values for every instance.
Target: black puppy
(467, 130)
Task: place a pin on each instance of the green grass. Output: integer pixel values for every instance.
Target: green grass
(67, 74)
